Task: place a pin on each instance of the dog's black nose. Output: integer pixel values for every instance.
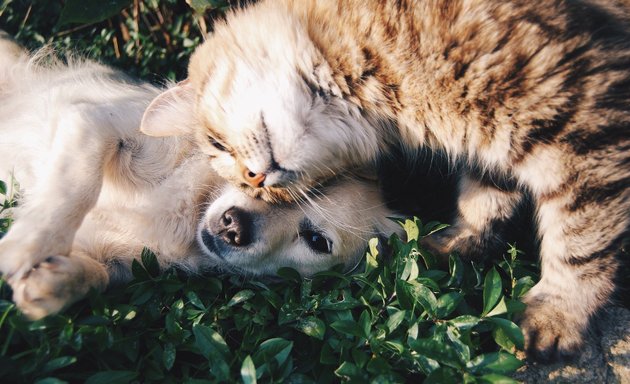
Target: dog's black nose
(235, 227)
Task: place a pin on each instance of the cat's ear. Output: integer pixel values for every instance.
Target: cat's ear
(171, 112)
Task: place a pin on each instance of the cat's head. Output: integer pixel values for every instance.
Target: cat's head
(265, 107)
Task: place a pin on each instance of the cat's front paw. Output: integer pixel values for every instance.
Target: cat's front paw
(453, 239)
(49, 286)
(552, 332)
(15, 257)
(21, 251)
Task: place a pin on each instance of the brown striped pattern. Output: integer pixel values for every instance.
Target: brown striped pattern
(536, 93)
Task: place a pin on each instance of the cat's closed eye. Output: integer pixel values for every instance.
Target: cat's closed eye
(217, 144)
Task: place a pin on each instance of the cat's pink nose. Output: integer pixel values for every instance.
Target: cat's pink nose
(255, 180)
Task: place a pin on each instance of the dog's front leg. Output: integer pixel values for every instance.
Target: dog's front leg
(67, 186)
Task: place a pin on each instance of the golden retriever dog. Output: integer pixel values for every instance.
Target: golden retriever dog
(93, 191)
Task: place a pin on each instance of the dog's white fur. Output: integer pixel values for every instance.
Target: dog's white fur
(94, 191)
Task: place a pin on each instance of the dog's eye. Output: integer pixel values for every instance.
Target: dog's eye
(316, 241)
(216, 144)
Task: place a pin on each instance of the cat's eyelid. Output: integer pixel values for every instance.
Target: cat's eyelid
(217, 144)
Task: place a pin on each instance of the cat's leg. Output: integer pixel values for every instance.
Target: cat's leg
(582, 225)
(67, 186)
(482, 208)
(57, 282)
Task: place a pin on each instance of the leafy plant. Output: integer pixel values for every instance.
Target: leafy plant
(9, 201)
(405, 317)
(150, 39)
(402, 318)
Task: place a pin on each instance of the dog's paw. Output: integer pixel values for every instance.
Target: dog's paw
(49, 286)
(552, 333)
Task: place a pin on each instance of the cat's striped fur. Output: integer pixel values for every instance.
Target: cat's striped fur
(535, 95)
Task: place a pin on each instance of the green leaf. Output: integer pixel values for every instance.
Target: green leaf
(429, 283)
(194, 300)
(168, 356)
(410, 270)
(463, 351)
(501, 338)
(430, 261)
(372, 255)
(50, 380)
(201, 6)
(440, 350)
(395, 346)
(447, 303)
(328, 356)
(289, 274)
(90, 11)
(464, 322)
(209, 340)
(112, 377)
(494, 378)
(348, 327)
(3, 188)
(378, 365)
(491, 290)
(150, 263)
(334, 303)
(515, 306)
(59, 362)
(522, 285)
(394, 320)
(350, 371)
(433, 227)
(360, 357)
(495, 362)
(411, 228)
(499, 309)
(143, 292)
(240, 297)
(456, 268)
(417, 292)
(212, 346)
(365, 322)
(248, 371)
(277, 349)
(138, 271)
(511, 330)
(313, 327)
(443, 375)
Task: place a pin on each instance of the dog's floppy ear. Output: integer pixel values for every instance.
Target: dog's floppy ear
(171, 112)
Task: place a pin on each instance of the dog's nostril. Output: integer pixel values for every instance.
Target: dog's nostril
(233, 238)
(226, 219)
(236, 227)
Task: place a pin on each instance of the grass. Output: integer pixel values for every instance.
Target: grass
(402, 318)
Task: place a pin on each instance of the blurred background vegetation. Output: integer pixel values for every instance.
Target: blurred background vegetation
(150, 39)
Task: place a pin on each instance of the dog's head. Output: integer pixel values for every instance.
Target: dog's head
(250, 236)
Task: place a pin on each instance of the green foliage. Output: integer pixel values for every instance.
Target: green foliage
(151, 39)
(403, 318)
(8, 194)
(90, 11)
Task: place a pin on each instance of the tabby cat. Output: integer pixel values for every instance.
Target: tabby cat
(534, 96)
